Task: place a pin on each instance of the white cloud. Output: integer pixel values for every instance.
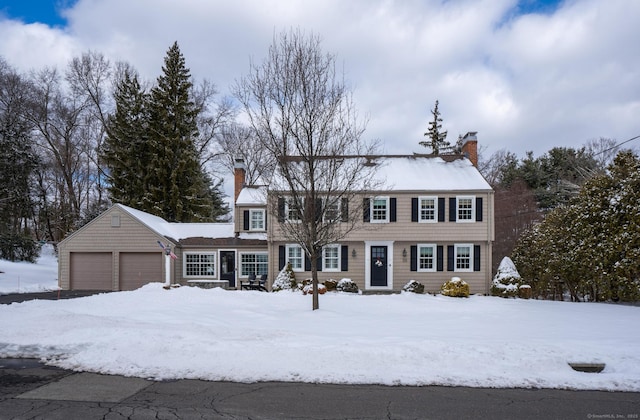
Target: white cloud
(524, 82)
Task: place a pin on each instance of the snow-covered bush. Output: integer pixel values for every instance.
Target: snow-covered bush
(507, 280)
(347, 285)
(524, 291)
(456, 287)
(414, 286)
(307, 289)
(285, 280)
(330, 284)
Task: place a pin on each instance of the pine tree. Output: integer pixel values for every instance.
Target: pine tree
(437, 139)
(178, 188)
(125, 151)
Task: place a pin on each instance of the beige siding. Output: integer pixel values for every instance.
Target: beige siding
(404, 233)
(100, 236)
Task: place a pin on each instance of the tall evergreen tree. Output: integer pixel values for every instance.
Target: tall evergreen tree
(178, 188)
(437, 139)
(125, 151)
(17, 164)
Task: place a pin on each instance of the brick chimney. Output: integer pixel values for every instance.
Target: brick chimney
(239, 173)
(470, 147)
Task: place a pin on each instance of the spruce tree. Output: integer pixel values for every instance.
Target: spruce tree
(437, 139)
(178, 188)
(125, 151)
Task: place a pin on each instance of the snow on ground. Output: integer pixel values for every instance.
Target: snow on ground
(403, 339)
(24, 277)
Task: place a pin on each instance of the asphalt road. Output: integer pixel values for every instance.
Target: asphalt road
(31, 390)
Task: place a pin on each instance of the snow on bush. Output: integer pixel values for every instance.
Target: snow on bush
(347, 285)
(307, 289)
(456, 287)
(285, 280)
(413, 286)
(507, 280)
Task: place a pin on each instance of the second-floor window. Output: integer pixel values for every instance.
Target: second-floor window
(380, 210)
(428, 209)
(295, 257)
(465, 209)
(256, 219)
(291, 211)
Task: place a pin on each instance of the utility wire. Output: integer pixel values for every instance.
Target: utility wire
(617, 145)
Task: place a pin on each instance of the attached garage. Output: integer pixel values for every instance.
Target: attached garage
(140, 268)
(91, 271)
(117, 250)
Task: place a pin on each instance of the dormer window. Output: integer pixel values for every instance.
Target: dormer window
(256, 219)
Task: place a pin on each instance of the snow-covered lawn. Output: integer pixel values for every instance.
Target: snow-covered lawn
(403, 339)
(24, 277)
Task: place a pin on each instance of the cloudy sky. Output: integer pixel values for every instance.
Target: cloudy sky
(526, 75)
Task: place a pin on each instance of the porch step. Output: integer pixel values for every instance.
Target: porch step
(380, 292)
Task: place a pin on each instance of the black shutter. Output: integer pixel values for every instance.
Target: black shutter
(452, 209)
(392, 212)
(478, 209)
(319, 262)
(344, 209)
(246, 220)
(441, 209)
(307, 263)
(439, 261)
(344, 258)
(414, 258)
(366, 215)
(280, 209)
(414, 209)
(281, 257)
(476, 258)
(318, 209)
(450, 258)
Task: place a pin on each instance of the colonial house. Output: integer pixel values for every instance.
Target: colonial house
(432, 221)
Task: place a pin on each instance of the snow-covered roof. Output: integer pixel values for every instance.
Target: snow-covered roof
(252, 195)
(180, 231)
(419, 173)
(429, 173)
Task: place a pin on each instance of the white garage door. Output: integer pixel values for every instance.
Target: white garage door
(91, 271)
(140, 268)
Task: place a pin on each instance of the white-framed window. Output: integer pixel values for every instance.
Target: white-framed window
(465, 208)
(200, 264)
(426, 257)
(295, 257)
(379, 210)
(256, 263)
(256, 219)
(463, 257)
(427, 209)
(291, 211)
(332, 211)
(331, 258)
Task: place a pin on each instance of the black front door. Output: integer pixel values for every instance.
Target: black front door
(228, 267)
(379, 266)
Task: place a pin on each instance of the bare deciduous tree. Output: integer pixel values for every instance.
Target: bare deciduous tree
(302, 113)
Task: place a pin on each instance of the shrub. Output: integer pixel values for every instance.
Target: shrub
(347, 285)
(456, 287)
(524, 291)
(307, 289)
(331, 284)
(285, 280)
(507, 281)
(414, 287)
